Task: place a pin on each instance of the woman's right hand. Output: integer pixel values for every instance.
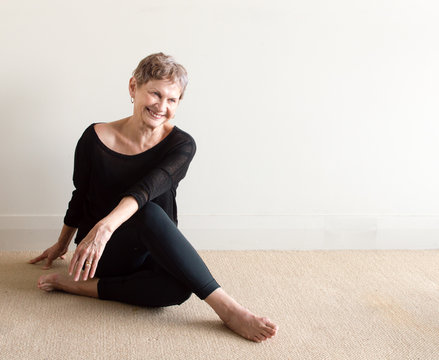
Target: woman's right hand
(55, 251)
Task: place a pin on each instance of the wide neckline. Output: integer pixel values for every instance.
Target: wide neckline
(111, 151)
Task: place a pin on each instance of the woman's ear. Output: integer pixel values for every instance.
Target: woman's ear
(132, 86)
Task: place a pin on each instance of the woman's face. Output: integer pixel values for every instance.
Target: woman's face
(155, 102)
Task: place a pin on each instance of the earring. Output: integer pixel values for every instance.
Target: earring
(132, 100)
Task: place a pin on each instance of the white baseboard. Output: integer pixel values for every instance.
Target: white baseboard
(239, 232)
(31, 222)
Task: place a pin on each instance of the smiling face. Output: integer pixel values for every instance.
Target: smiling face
(155, 102)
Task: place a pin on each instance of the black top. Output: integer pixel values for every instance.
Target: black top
(102, 177)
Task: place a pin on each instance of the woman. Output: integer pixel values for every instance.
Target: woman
(125, 174)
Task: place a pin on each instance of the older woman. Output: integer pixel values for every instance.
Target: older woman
(123, 208)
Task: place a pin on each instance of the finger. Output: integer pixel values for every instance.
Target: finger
(94, 266)
(37, 259)
(79, 266)
(73, 262)
(87, 268)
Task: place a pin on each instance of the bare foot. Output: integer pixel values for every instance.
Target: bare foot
(239, 319)
(49, 282)
(66, 283)
(250, 326)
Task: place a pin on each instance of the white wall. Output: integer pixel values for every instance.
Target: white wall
(299, 108)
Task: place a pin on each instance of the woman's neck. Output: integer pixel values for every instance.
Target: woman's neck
(142, 135)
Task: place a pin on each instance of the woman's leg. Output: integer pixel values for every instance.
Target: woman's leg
(66, 283)
(175, 269)
(178, 258)
(171, 250)
(147, 288)
(127, 273)
(234, 316)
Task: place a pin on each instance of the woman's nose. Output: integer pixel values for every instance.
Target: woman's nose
(162, 106)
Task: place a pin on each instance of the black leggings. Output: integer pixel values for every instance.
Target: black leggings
(149, 262)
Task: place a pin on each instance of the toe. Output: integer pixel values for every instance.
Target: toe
(258, 338)
(270, 330)
(271, 325)
(266, 334)
(268, 322)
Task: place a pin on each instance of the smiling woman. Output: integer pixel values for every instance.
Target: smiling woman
(155, 102)
(126, 175)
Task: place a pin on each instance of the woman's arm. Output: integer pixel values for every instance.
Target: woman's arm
(74, 213)
(81, 179)
(66, 236)
(121, 213)
(90, 249)
(167, 173)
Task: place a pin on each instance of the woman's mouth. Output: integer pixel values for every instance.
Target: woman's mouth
(154, 115)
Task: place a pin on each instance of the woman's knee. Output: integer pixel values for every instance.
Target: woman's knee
(151, 209)
(153, 217)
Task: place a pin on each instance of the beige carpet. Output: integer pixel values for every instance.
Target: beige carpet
(328, 304)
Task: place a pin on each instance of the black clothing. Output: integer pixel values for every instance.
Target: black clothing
(147, 260)
(102, 177)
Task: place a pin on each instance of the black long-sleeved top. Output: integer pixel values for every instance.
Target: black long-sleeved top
(102, 177)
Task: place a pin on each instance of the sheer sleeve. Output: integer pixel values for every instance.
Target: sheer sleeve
(166, 174)
(81, 173)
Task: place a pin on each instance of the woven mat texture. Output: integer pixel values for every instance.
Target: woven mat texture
(328, 304)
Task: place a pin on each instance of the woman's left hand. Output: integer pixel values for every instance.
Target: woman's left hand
(89, 251)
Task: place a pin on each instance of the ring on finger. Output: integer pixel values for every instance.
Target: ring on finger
(88, 263)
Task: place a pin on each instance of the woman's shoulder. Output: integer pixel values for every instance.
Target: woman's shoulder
(93, 134)
(86, 135)
(183, 141)
(180, 135)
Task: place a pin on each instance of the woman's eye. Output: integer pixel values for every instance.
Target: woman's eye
(172, 100)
